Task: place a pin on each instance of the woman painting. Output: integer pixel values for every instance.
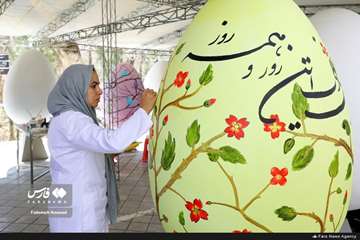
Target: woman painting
(79, 149)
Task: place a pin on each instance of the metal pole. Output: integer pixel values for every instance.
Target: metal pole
(31, 156)
(17, 151)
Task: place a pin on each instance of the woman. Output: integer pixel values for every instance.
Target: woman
(77, 146)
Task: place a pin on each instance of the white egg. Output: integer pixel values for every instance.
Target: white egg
(155, 75)
(27, 86)
(345, 50)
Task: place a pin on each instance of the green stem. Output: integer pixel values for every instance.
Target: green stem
(188, 108)
(186, 161)
(246, 217)
(184, 229)
(177, 101)
(337, 142)
(154, 163)
(316, 218)
(304, 126)
(231, 180)
(328, 201)
(182, 197)
(313, 144)
(157, 172)
(334, 226)
(256, 197)
(341, 215)
(157, 198)
(350, 142)
(168, 88)
(154, 166)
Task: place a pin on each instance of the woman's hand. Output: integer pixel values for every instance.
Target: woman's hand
(148, 100)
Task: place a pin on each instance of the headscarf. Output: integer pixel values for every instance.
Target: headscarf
(70, 93)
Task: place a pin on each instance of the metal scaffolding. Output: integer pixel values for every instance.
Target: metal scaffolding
(172, 2)
(4, 4)
(310, 10)
(128, 51)
(167, 37)
(170, 15)
(65, 17)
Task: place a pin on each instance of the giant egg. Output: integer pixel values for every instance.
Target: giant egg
(342, 43)
(251, 130)
(155, 75)
(27, 86)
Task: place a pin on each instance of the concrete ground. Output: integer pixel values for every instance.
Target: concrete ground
(136, 205)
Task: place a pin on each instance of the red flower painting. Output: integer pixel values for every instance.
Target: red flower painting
(279, 176)
(236, 127)
(276, 127)
(180, 78)
(196, 211)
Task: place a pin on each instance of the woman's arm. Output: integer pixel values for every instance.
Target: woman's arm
(81, 131)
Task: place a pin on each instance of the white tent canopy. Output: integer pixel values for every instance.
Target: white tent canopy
(51, 18)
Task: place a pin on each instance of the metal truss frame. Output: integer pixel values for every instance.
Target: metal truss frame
(128, 51)
(171, 2)
(310, 10)
(167, 37)
(170, 15)
(65, 17)
(4, 4)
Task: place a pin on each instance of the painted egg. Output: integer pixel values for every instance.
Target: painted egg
(123, 93)
(251, 130)
(27, 87)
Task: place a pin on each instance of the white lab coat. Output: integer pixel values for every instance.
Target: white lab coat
(77, 146)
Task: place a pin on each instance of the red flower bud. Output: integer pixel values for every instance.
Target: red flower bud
(165, 120)
(188, 84)
(209, 102)
(325, 51)
(151, 132)
(345, 197)
(212, 101)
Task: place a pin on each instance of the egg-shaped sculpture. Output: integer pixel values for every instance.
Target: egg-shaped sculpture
(342, 43)
(251, 129)
(155, 75)
(27, 87)
(123, 94)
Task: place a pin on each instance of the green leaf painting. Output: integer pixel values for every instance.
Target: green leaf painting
(302, 158)
(168, 154)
